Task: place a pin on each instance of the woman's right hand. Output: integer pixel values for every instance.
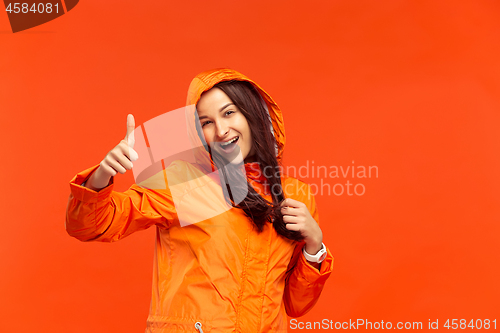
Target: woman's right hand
(119, 159)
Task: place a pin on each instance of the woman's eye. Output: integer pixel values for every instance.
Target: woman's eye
(205, 123)
(229, 112)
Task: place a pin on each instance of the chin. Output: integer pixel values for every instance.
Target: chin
(237, 160)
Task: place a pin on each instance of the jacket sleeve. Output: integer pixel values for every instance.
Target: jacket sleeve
(304, 283)
(108, 216)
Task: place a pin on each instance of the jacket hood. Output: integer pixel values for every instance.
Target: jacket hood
(205, 81)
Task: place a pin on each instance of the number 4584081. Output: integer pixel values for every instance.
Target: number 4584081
(478, 324)
(35, 8)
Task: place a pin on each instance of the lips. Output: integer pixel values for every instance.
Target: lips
(229, 145)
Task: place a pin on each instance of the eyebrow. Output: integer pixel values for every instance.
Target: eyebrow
(220, 110)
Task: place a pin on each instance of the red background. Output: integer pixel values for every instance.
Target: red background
(411, 87)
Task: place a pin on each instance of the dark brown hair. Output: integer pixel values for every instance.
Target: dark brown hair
(247, 99)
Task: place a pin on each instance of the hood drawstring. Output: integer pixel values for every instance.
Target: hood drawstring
(197, 325)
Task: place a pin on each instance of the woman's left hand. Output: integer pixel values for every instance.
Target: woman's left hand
(297, 218)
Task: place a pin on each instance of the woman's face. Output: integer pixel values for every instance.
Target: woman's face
(225, 128)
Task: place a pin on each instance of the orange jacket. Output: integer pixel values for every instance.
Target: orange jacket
(219, 272)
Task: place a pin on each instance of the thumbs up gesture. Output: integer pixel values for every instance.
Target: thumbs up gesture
(119, 159)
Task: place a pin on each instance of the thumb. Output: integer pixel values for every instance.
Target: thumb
(129, 138)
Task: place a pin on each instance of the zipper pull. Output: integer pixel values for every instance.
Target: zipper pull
(197, 325)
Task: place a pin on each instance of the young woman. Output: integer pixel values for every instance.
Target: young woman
(235, 252)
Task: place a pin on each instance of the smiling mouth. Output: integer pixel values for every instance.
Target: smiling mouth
(229, 146)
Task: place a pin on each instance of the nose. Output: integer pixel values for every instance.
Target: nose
(222, 129)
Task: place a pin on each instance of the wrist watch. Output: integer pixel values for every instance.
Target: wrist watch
(318, 257)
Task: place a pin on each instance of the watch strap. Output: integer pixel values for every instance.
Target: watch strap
(318, 257)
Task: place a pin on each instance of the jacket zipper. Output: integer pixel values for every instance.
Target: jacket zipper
(197, 325)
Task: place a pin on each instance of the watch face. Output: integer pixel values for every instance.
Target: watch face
(323, 256)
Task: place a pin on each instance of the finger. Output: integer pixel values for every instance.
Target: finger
(132, 154)
(109, 170)
(292, 227)
(291, 219)
(117, 166)
(287, 210)
(118, 160)
(130, 138)
(291, 203)
(124, 160)
(128, 151)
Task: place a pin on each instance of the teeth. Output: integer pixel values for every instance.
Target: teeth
(229, 142)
